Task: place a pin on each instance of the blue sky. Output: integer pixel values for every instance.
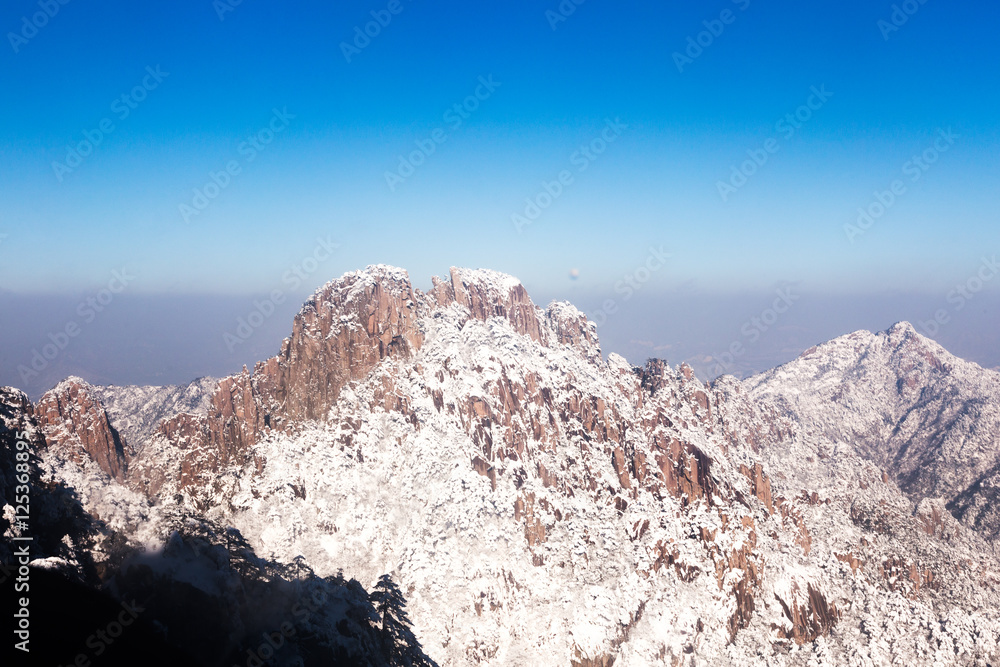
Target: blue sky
(657, 183)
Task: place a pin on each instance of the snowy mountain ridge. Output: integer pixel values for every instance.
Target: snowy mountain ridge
(928, 418)
(536, 503)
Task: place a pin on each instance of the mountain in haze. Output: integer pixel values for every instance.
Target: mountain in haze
(469, 481)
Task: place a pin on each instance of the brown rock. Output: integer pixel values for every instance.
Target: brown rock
(817, 617)
(686, 471)
(618, 461)
(851, 560)
(760, 485)
(340, 335)
(534, 529)
(486, 470)
(501, 298)
(71, 417)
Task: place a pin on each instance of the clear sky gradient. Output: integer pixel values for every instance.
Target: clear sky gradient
(683, 124)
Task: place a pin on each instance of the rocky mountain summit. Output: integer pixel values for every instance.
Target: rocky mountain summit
(534, 502)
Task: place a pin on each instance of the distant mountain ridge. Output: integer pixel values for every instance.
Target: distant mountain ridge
(928, 418)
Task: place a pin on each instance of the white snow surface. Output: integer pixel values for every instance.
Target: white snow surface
(495, 281)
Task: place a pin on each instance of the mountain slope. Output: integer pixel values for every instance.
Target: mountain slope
(136, 411)
(928, 418)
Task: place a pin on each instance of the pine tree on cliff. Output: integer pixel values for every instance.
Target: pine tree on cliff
(399, 644)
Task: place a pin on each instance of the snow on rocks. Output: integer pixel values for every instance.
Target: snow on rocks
(540, 505)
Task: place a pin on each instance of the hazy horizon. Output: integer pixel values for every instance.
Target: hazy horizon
(710, 154)
(165, 339)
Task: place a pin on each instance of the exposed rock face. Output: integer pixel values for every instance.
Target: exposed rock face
(73, 418)
(808, 621)
(488, 294)
(934, 519)
(930, 419)
(209, 442)
(521, 423)
(63, 537)
(340, 335)
(347, 328)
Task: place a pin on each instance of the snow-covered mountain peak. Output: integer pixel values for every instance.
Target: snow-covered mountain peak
(494, 281)
(902, 327)
(565, 310)
(72, 380)
(901, 400)
(539, 505)
(353, 284)
(900, 349)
